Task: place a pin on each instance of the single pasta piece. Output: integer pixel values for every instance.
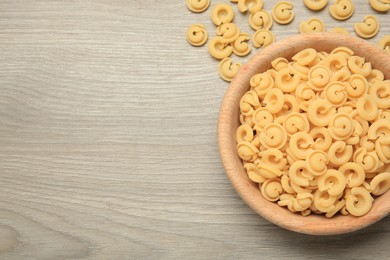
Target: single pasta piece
(218, 48)
(229, 32)
(384, 43)
(222, 13)
(197, 35)
(228, 69)
(249, 5)
(282, 12)
(359, 202)
(315, 5)
(262, 38)
(380, 5)
(197, 6)
(368, 28)
(342, 9)
(260, 20)
(312, 25)
(240, 45)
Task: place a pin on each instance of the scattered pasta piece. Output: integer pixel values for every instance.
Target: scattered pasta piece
(227, 71)
(228, 31)
(197, 6)
(380, 5)
(260, 20)
(342, 9)
(262, 38)
(315, 5)
(218, 48)
(197, 35)
(315, 132)
(367, 29)
(222, 13)
(282, 12)
(384, 43)
(240, 45)
(339, 30)
(312, 25)
(251, 5)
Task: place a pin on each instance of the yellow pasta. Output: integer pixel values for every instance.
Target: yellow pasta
(197, 35)
(368, 28)
(340, 30)
(296, 122)
(380, 91)
(354, 174)
(380, 5)
(382, 148)
(305, 57)
(320, 111)
(301, 144)
(282, 12)
(319, 77)
(218, 48)
(229, 32)
(197, 6)
(340, 153)
(357, 87)
(251, 5)
(315, 5)
(274, 100)
(262, 83)
(262, 38)
(262, 117)
(222, 13)
(359, 66)
(316, 162)
(367, 108)
(321, 137)
(315, 132)
(341, 126)
(342, 9)
(271, 189)
(312, 25)
(260, 20)
(286, 81)
(333, 182)
(369, 161)
(380, 183)
(384, 43)
(228, 69)
(249, 103)
(273, 136)
(240, 45)
(359, 202)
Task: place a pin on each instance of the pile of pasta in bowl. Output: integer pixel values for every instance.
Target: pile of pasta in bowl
(315, 133)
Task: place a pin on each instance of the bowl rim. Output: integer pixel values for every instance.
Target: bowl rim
(228, 115)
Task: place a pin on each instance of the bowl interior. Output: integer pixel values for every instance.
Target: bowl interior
(229, 121)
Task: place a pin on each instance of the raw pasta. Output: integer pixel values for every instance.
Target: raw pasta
(368, 28)
(315, 133)
(315, 5)
(282, 12)
(197, 35)
(197, 6)
(342, 9)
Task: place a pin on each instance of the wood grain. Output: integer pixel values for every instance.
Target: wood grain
(108, 143)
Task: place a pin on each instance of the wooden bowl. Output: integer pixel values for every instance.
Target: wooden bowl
(229, 121)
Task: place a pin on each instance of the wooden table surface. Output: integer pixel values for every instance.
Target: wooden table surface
(108, 142)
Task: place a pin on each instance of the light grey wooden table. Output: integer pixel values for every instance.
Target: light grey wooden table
(108, 139)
